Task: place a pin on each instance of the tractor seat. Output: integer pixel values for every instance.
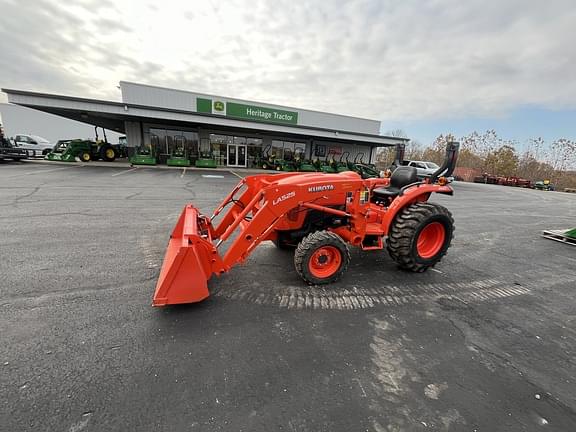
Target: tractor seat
(401, 177)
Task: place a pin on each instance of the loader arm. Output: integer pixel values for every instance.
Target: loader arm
(265, 203)
(249, 215)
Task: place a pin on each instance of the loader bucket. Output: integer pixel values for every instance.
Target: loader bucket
(186, 267)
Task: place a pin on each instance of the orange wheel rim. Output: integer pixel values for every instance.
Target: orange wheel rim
(325, 261)
(431, 240)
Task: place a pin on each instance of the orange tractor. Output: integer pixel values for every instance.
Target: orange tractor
(318, 214)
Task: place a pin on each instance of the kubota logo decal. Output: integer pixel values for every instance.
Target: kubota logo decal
(321, 188)
(284, 197)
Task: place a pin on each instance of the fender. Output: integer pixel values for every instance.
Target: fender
(411, 195)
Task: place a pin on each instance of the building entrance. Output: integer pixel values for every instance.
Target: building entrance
(236, 155)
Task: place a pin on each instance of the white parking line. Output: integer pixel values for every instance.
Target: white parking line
(237, 175)
(212, 176)
(124, 172)
(183, 173)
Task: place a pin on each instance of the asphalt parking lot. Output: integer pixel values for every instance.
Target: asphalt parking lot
(486, 342)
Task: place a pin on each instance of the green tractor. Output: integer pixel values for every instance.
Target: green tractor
(84, 150)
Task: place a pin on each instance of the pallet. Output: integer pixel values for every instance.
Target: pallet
(559, 235)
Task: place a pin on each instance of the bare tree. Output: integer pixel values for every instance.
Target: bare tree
(397, 133)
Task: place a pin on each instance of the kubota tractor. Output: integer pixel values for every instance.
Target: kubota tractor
(321, 215)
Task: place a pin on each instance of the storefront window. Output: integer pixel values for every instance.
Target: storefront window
(300, 150)
(254, 150)
(219, 144)
(277, 149)
(165, 142)
(288, 150)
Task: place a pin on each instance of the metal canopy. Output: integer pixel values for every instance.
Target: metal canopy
(112, 115)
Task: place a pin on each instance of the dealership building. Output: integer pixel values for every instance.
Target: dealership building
(235, 131)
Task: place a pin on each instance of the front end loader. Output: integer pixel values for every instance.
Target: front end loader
(320, 216)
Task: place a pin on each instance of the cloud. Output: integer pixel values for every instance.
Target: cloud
(380, 59)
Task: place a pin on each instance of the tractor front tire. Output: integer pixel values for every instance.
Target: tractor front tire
(85, 157)
(420, 236)
(321, 257)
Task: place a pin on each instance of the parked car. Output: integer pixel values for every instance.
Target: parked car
(424, 168)
(33, 144)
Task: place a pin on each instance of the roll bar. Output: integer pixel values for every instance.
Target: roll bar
(361, 155)
(346, 153)
(400, 151)
(449, 163)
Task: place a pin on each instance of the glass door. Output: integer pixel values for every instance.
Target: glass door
(236, 155)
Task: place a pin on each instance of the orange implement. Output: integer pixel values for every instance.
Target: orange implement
(320, 213)
(184, 275)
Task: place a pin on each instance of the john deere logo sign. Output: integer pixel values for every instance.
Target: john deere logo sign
(246, 112)
(219, 106)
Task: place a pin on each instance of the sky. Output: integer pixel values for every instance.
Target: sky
(424, 66)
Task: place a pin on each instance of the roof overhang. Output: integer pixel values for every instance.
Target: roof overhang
(112, 115)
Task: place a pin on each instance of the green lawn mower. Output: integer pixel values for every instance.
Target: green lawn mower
(343, 164)
(265, 160)
(329, 164)
(179, 154)
(365, 170)
(544, 185)
(205, 156)
(287, 163)
(144, 155)
(206, 160)
(302, 164)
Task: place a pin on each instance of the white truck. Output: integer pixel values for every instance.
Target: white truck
(34, 145)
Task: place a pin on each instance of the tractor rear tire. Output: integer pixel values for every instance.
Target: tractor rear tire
(420, 236)
(321, 257)
(107, 153)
